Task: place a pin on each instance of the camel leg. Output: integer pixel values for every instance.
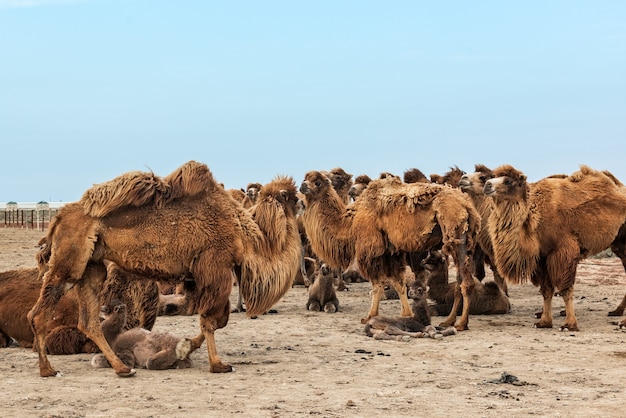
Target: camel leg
(39, 317)
(378, 290)
(404, 300)
(464, 287)
(618, 246)
(209, 323)
(547, 291)
(451, 319)
(571, 323)
(89, 313)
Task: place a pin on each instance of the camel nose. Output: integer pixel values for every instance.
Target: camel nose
(488, 188)
(304, 187)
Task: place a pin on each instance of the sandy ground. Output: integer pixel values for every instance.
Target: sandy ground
(298, 363)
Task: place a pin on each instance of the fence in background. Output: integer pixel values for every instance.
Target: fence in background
(28, 215)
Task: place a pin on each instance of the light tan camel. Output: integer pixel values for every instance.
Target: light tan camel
(182, 227)
(540, 231)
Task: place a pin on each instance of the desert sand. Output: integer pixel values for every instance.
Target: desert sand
(296, 363)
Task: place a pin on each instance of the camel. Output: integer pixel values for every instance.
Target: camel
(360, 183)
(390, 219)
(251, 195)
(487, 298)
(19, 290)
(540, 231)
(473, 184)
(322, 295)
(139, 347)
(383, 327)
(183, 227)
(342, 182)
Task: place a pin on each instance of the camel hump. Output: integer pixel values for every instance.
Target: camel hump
(138, 188)
(391, 193)
(586, 171)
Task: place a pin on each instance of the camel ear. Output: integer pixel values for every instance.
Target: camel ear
(522, 178)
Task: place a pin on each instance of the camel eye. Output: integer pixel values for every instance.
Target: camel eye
(507, 182)
(483, 179)
(318, 183)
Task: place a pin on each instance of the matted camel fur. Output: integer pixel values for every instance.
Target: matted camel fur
(388, 220)
(183, 227)
(540, 231)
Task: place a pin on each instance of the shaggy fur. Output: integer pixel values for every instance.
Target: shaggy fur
(139, 347)
(414, 175)
(342, 182)
(451, 178)
(540, 231)
(487, 298)
(473, 184)
(389, 219)
(322, 295)
(182, 228)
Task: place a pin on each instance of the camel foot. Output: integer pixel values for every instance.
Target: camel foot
(617, 312)
(364, 320)
(461, 327)
(540, 324)
(129, 373)
(622, 324)
(221, 368)
(49, 372)
(570, 327)
(183, 349)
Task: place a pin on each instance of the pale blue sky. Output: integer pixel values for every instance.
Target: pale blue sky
(91, 89)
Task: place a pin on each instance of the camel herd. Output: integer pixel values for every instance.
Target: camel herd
(113, 252)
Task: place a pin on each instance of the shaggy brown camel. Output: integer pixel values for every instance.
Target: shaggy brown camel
(139, 347)
(181, 227)
(414, 175)
(390, 219)
(473, 184)
(540, 231)
(487, 298)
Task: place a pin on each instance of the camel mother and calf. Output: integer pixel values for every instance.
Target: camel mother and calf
(186, 227)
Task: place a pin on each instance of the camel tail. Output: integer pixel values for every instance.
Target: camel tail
(264, 281)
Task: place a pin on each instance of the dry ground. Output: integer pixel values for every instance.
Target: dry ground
(298, 363)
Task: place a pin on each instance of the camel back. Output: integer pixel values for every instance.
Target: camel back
(138, 188)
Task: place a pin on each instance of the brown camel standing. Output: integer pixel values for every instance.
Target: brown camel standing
(473, 184)
(540, 231)
(183, 227)
(388, 220)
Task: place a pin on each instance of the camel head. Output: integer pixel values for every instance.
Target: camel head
(416, 289)
(414, 175)
(360, 184)
(340, 179)
(434, 259)
(252, 191)
(282, 190)
(474, 183)
(507, 183)
(315, 185)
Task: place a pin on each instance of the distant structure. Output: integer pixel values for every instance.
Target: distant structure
(28, 215)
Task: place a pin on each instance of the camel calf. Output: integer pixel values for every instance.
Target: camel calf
(383, 327)
(138, 347)
(486, 299)
(322, 295)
